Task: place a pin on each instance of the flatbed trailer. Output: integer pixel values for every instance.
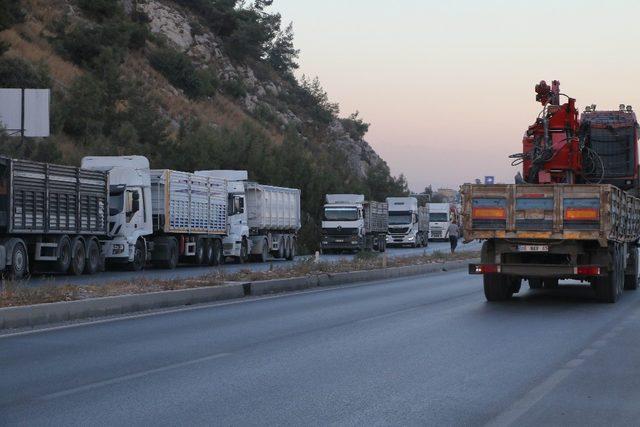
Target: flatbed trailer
(545, 233)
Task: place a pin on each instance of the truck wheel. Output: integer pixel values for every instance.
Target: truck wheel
(535, 283)
(281, 248)
(172, 255)
(218, 254)
(244, 252)
(292, 250)
(497, 287)
(92, 265)
(383, 246)
(139, 257)
(64, 257)
(78, 257)
(608, 287)
(208, 252)
(631, 280)
(19, 262)
(198, 259)
(264, 255)
(549, 283)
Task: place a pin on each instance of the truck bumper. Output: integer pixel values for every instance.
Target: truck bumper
(540, 270)
(400, 239)
(117, 251)
(342, 242)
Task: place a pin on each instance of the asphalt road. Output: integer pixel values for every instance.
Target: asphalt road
(417, 351)
(187, 271)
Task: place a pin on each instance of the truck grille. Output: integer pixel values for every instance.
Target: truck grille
(402, 230)
(340, 231)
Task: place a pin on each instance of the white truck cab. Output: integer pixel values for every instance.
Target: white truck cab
(408, 223)
(130, 212)
(440, 216)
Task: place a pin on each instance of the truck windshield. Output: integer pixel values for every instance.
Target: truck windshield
(340, 214)
(116, 203)
(438, 217)
(400, 218)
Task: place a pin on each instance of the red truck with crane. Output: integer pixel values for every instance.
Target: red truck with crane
(573, 213)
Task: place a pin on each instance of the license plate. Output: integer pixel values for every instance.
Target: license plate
(339, 241)
(533, 248)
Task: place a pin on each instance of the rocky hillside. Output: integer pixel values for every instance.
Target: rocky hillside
(191, 84)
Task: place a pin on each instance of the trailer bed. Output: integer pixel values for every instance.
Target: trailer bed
(532, 212)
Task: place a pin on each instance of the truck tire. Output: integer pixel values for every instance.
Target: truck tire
(244, 252)
(287, 247)
(497, 287)
(608, 287)
(208, 252)
(198, 259)
(550, 283)
(264, 254)
(281, 248)
(631, 280)
(382, 246)
(535, 283)
(78, 257)
(64, 255)
(139, 257)
(19, 262)
(218, 253)
(292, 250)
(172, 255)
(92, 265)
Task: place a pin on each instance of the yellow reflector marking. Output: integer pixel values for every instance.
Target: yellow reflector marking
(581, 214)
(489, 213)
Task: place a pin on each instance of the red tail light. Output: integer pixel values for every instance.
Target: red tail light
(484, 268)
(588, 270)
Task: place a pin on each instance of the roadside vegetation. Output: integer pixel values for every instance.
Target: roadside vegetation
(20, 293)
(109, 102)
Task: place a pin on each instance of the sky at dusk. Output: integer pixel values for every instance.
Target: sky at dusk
(448, 87)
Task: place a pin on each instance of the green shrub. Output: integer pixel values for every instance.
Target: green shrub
(101, 9)
(234, 88)
(181, 73)
(16, 73)
(10, 13)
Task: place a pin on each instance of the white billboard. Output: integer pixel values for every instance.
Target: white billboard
(36, 111)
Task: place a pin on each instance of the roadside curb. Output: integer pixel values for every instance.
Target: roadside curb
(40, 314)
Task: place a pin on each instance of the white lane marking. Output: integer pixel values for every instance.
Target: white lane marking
(205, 306)
(124, 378)
(588, 352)
(574, 363)
(522, 406)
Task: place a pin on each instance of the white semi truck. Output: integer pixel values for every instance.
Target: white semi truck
(353, 224)
(440, 216)
(263, 220)
(408, 222)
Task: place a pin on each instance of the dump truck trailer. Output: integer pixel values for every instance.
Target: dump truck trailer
(189, 218)
(53, 215)
(545, 233)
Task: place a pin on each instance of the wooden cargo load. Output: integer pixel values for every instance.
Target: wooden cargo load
(41, 198)
(185, 203)
(550, 212)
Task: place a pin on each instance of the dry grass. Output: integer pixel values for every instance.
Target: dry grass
(19, 293)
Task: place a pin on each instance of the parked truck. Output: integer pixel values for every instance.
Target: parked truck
(408, 222)
(189, 214)
(52, 215)
(440, 216)
(263, 220)
(350, 223)
(574, 211)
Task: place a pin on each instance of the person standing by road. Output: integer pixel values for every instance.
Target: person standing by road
(454, 233)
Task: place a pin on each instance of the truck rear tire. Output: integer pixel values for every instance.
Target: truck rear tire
(198, 259)
(609, 287)
(631, 280)
(64, 255)
(19, 262)
(535, 283)
(497, 287)
(281, 248)
(78, 257)
(172, 255)
(218, 253)
(264, 254)
(550, 283)
(208, 252)
(292, 250)
(92, 265)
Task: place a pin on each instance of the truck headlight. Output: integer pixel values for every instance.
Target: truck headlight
(410, 238)
(118, 248)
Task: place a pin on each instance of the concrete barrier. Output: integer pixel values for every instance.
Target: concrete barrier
(33, 315)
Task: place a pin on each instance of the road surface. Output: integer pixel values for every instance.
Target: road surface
(186, 271)
(415, 351)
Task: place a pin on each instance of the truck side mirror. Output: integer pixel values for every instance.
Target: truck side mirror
(241, 204)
